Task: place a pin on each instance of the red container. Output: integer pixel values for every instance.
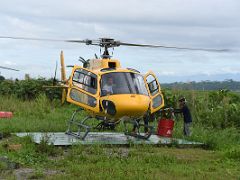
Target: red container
(5, 114)
(165, 127)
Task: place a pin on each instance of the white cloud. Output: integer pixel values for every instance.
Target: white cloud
(194, 23)
(10, 63)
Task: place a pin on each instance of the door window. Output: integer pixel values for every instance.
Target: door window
(81, 97)
(152, 84)
(85, 80)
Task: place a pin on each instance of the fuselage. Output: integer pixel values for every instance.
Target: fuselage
(105, 89)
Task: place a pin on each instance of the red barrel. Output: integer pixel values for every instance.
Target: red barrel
(165, 127)
(5, 114)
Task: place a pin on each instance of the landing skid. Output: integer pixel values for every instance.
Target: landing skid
(80, 124)
(84, 129)
(138, 125)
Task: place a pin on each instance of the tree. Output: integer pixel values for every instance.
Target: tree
(2, 78)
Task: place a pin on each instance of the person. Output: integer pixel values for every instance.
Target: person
(108, 87)
(187, 117)
(146, 119)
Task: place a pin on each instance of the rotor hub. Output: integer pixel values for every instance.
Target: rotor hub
(107, 43)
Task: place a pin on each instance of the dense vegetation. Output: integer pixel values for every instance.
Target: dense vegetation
(215, 115)
(28, 89)
(204, 85)
(216, 123)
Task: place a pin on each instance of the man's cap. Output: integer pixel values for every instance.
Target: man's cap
(182, 99)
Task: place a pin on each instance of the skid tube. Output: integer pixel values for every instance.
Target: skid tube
(83, 128)
(81, 124)
(138, 135)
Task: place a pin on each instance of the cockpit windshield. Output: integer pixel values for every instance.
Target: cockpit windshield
(122, 83)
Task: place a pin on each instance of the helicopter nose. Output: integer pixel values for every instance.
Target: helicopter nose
(129, 105)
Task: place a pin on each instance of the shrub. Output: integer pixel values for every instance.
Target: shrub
(29, 89)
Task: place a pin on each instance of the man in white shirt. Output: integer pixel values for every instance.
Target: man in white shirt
(108, 87)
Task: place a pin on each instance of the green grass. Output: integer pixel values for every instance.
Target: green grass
(147, 163)
(220, 159)
(135, 162)
(40, 115)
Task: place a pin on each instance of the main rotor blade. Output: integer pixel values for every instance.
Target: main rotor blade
(172, 47)
(43, 39)
(103, 42)
(2, 67)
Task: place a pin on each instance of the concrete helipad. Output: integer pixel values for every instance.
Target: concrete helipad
(62, 139)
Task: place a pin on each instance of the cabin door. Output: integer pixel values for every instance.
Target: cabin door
(154, 92)
(84, 89)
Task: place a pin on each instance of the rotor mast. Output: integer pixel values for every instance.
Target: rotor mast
(107, 43)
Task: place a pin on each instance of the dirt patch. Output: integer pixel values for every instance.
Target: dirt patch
(28, 173)
(6, 164)
(121, 153)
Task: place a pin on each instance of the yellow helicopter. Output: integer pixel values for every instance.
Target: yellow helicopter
(108, 92)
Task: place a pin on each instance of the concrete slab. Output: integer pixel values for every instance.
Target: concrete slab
(62, 139)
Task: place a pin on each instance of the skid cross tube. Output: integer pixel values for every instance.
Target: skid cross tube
(80, 124)
(104, 125)
(136, 123)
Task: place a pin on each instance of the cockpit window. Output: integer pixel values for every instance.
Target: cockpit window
(122, 83)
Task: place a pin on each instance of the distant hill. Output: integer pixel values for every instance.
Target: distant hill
(198, 77)
(204, 85)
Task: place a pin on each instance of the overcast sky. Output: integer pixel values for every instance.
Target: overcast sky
(187, 23)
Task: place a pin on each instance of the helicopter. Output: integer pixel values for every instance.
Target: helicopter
(108, 92)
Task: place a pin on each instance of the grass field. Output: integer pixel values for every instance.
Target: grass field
(219, 160)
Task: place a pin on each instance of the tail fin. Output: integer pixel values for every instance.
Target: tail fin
(63, 77)
(64, 82)
(63, 70)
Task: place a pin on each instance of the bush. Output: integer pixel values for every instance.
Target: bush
(210, 109)
(29, 89)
